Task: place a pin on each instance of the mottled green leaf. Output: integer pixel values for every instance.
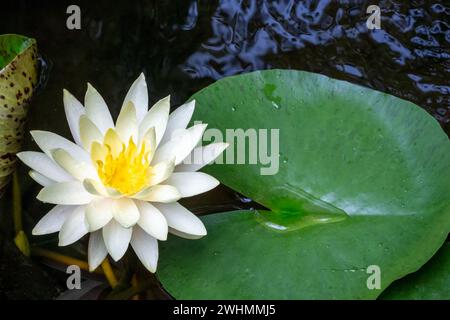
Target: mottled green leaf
(18, 77)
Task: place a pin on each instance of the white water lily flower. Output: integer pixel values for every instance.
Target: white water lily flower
(121, 182)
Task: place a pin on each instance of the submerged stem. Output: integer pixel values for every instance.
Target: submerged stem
(109, 273)
(58, 257)
(20, 238)
(17, 203)
(131, 292)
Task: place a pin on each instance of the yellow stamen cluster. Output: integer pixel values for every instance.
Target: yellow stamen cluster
(129, 171)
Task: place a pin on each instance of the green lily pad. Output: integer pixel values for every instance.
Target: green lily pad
(363, 181)
(18, 77)
(431, 282)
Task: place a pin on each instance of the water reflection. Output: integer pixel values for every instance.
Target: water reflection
(406, 58)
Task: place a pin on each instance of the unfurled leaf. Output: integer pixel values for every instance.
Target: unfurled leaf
(375, 167)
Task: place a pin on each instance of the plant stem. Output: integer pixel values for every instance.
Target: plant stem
(17, 203)
(130, 292)
(135, 284)
(20, 238)
(109, 273)
(58, 257)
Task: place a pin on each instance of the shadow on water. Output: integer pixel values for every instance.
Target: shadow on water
(183, 46)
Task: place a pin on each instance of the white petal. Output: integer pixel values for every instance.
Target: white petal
(180, 145)
(53, 220)
(126, 125)
(96, 250)
(181, 219)
(201, 156)
(146, 248)
(73, 109)
(160, 172)
(179, 119)
(98, 152)
(96, 188)
(116, 239)
(111, 139)
(125, 212)
(89, 133)
(152, 221)
(41, 179)
(192, 183)
(97, 110)
(138, 94)
(74, 227)
(48, 141)
(68, 193)
(156, 117)
(159, 193)
(177, 148)
(43, 164)
(78, 170)
(149, 141)
(184, 235)
(98, 213)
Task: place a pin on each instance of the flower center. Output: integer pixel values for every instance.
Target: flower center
(128, 172)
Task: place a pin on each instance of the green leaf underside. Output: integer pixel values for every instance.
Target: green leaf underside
(374, 165)
(431, 282)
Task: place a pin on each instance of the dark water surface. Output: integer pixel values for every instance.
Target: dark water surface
(182, 46)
